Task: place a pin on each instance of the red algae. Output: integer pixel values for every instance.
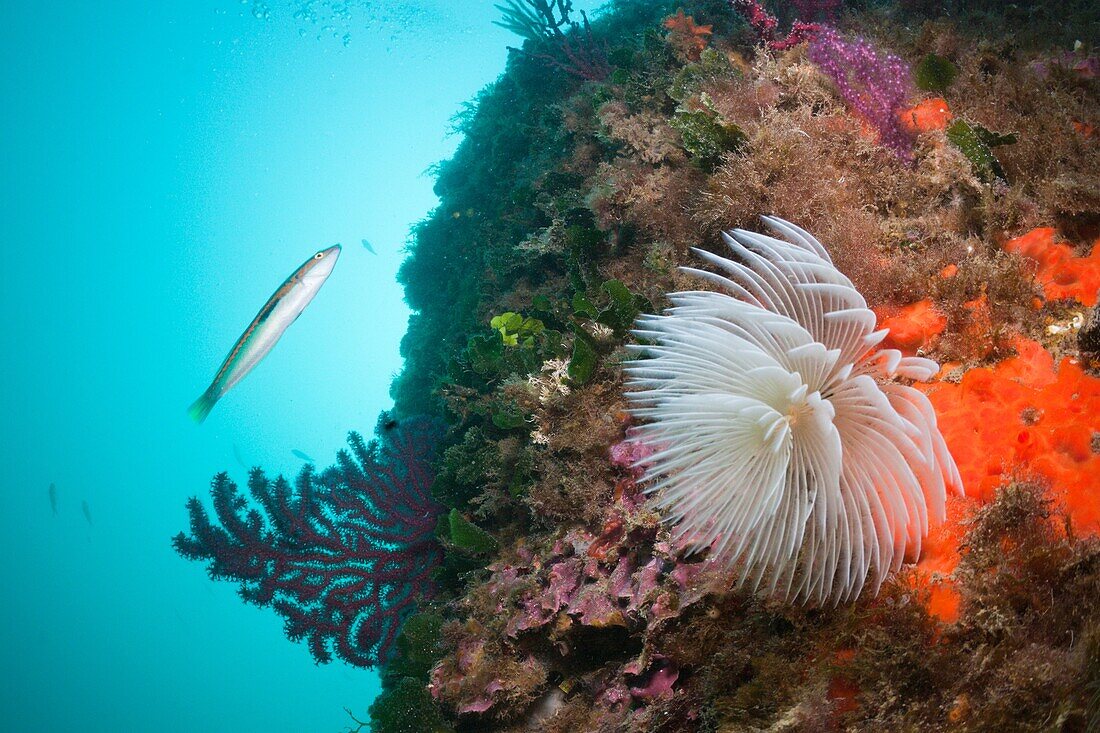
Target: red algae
(1058, 270)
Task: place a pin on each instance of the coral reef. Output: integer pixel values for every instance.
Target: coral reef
(343, 556)
(963, 209)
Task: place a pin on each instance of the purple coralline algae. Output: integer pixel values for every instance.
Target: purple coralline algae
(585, 584)
(630, 455)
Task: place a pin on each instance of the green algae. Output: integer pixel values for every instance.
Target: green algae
(934, 73)
(706, 136)
(467, 536)
(977, 143)
(407, 707)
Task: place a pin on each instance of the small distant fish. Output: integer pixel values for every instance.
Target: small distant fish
(53, 497)
(367, 246)
(299, 454)
(87, 512)
(281, 310)
(237, 455)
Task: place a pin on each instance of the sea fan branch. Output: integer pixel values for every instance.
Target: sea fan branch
(342, 556)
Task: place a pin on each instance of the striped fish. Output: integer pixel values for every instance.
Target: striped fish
(281, 310)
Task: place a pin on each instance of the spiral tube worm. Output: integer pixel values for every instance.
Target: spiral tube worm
(786, 441)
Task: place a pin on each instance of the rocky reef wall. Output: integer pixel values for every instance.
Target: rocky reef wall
(962, 202)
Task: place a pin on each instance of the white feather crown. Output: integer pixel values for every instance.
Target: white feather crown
(783, 440)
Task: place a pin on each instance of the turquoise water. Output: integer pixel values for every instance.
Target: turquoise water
(166, 166)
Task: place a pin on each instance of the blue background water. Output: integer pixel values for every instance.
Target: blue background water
(165, 166)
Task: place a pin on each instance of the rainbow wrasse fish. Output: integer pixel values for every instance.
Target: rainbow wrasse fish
(281, 310)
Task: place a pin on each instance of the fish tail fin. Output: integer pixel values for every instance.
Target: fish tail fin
(201, 407)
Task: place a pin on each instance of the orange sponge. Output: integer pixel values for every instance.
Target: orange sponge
(1024, 414)
(931, 114)
(1061, 274)
(912, 326)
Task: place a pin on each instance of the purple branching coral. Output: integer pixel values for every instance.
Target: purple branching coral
(873, 83)
(343, 556)
(765, 25)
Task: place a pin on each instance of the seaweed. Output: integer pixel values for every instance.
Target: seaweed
(934, 73)
(466, 536)
(977, 143)
(515, 330)
(706, 136)
(406, 707)
(419, 646)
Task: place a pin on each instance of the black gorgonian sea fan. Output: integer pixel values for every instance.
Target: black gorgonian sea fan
(344, 555)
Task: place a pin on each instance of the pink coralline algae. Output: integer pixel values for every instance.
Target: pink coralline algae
(653, 682)
(630, 455)
(873, 83)
(566, 594)
(549, 607)
(342, 556)
(1078, 63)
(590, 592)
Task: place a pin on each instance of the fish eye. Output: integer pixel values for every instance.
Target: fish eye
(319, 255)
